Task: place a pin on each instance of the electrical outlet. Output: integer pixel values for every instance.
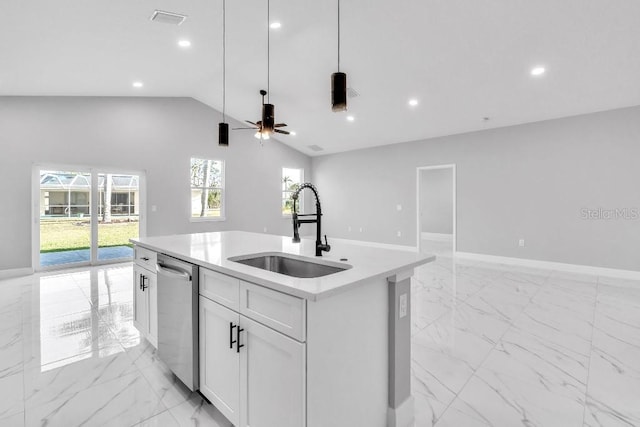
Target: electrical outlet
(399, 233)
(521, 243)
(403, 305)
(349, 229)
(265, 229)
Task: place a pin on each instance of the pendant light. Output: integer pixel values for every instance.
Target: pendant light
(338, 81)
(223, 128)
(268, 109)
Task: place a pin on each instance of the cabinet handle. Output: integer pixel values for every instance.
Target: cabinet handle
(238, 345)
(144, 259)
(140, 281)
(144, 282)
(231, 340)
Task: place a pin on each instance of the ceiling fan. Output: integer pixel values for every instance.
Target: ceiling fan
(267, 125)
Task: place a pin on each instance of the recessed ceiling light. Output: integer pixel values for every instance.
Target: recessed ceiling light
(184, 43)
(538, 71)
(413, 102)
(292, 133)
(350, 118)
(138, 84)
(275, 25)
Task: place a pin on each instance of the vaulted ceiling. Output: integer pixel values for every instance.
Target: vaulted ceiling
(463, 60)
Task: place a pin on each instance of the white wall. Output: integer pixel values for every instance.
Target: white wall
(156, 135)
(529, 181)
(436, 201)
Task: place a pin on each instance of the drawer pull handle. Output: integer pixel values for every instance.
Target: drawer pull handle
(144, 258)
(231, 340)
(238, 345)
(140, 276)
(144, 282)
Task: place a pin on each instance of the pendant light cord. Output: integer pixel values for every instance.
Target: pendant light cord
(338, 35)
(268, 48)
(224, 60)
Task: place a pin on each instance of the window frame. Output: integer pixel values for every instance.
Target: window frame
(223, 204)
(282, 192)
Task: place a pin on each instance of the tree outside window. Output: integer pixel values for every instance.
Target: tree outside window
(291, 180)
(207, 189)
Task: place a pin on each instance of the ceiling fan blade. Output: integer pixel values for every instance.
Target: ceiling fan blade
(251, 123)
(282, 131)
(280, 125)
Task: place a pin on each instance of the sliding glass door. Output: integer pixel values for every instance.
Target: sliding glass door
(86, 217)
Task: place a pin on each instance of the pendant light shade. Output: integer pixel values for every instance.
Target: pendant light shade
(223, 128)
(338, 92)
(268, 117)
(338, 81)
(223, 134)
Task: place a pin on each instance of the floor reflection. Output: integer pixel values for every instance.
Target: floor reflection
(84, 315)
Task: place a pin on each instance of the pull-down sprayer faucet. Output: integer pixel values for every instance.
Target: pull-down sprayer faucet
(296, 222)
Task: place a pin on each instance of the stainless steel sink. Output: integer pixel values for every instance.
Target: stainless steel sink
(291, 265)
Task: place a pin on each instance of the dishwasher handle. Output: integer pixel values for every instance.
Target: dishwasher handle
(174, 272)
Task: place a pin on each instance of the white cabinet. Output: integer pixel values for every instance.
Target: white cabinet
(145, 297)
(272, 378)
(252, 373)
(219, 360)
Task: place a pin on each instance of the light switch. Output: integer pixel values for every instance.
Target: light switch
(154, 208)
(403, 305)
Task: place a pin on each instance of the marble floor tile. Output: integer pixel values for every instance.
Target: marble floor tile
(196, 412)
(533, 359)
(11, 393)
(492, 345)
(496, 400)
(614, 378)
(124, 401)
(16, 420)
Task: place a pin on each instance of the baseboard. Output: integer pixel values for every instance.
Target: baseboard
(375, 244)
(437, 237)
(550, 265)
(15, 272)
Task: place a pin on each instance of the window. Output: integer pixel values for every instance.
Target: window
(291, 180)
(207, 189)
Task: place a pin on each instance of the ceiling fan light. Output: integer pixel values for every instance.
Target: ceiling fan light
(223, 134)
(338, 92)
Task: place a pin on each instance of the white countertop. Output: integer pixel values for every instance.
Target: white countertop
(212, 250)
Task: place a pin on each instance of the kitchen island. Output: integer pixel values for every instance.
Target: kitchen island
(323, 351)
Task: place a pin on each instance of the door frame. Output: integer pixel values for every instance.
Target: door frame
(419, 169)
(94, 171)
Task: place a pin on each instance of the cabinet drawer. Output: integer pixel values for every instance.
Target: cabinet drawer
(282, 312)
(220, 288)
(145, 258)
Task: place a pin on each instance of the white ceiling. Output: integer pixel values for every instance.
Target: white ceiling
(463, 59)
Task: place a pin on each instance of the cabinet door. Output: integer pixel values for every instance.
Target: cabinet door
(152, 307)
(272, 378)
(219, 360)
(140, 314)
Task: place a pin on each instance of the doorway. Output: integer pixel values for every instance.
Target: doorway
(85, 216)
(436, 205)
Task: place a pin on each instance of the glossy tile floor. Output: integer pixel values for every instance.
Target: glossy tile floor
(497, 345)
(70, 356)
(493, 345)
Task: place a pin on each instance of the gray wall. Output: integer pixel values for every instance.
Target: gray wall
(436, 201)
(528, 181)
(156, 135)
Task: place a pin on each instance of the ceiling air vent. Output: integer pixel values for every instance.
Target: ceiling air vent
(168, 17)
(315, 147)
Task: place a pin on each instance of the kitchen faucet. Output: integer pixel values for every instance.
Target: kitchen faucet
(296, 222)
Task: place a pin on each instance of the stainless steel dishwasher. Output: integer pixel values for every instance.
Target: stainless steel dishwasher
(178, 318)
